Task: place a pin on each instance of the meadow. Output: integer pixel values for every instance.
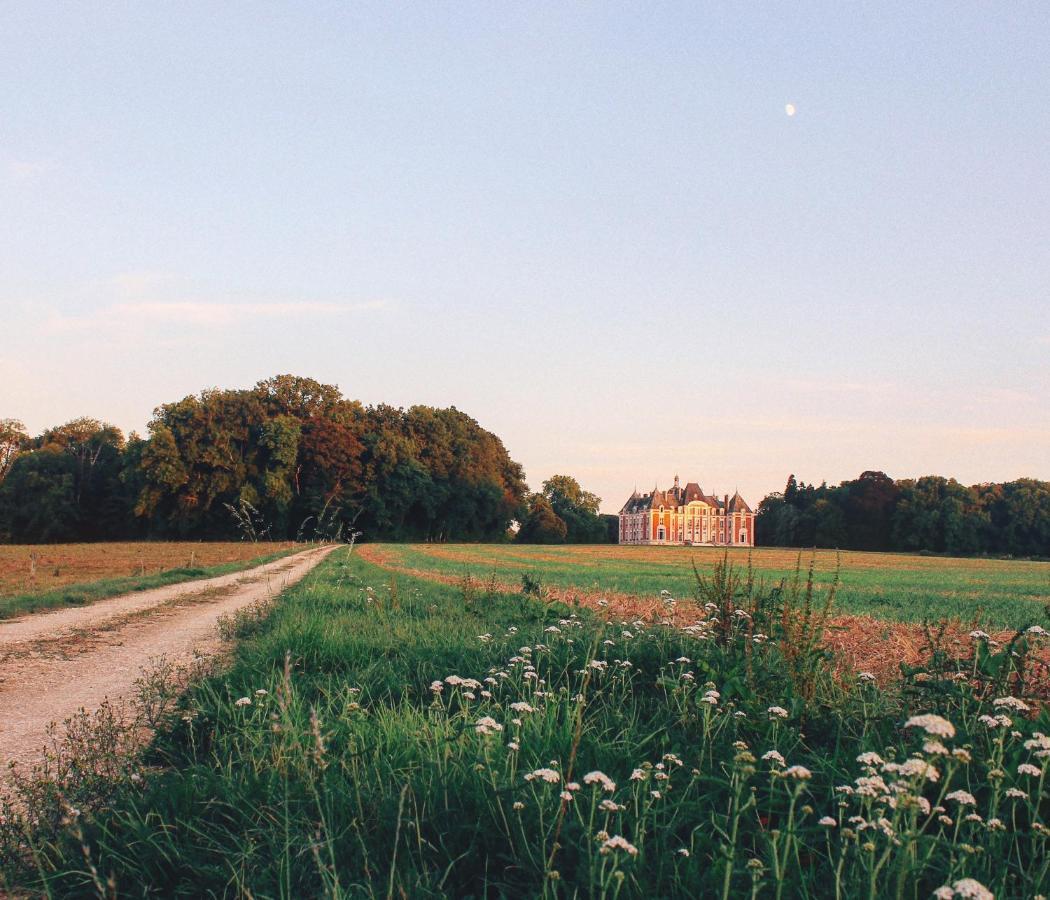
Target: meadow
(384, 735)
(888, 586)
(46, 576)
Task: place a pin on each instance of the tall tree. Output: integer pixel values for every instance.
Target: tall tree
(13, 439)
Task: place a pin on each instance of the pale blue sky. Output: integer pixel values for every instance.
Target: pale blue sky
(592, 227)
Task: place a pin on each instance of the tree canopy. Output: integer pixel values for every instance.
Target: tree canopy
(293, 453)
(930, 514)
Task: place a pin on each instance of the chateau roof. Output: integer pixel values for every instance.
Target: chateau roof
(675, 497)
(738, 504)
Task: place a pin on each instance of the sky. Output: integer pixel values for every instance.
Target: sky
(593, 227)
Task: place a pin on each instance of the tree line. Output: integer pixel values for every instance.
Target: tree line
(931, 514)
(290, 458)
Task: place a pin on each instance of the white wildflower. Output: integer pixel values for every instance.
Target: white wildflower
(487, 725)
(1011, 703)
(617, 842)
(600, 778)
(931, 724)
(798, 772)
(969, 889)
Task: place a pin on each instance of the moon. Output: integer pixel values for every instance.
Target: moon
(789, 109)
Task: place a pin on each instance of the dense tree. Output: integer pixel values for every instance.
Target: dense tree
(931, 513)
(311, 462)
(577, 508)
(13, 439)
(542, 524)
(67, 485)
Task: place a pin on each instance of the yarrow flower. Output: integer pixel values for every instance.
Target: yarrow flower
(914, 768)
(970, 889)
(931, 724)
(243, 701)
(777, 712)
(870, 759)
(774, 756)
(548, 775)
(618, 842)
(487, 725)
(963, 798)
(600, 778)
(1029, 769)
(827, 822)
(799, 772)
(1011, 703)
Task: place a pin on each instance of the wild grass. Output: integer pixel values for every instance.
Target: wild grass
(383, 736)
(81, 594)
(894, 587)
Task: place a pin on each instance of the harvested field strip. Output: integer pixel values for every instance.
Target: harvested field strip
(93, 591)
(39, 568)
(998, 593)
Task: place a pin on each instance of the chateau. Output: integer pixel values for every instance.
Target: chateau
(687, 516)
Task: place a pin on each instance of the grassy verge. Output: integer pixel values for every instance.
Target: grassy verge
(92, 591)
(391, 737)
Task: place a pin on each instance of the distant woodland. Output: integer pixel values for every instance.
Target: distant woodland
(288, 458)
(929, 514)
(293, 458)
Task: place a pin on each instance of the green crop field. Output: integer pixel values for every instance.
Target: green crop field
(392, 736)
(895, 587)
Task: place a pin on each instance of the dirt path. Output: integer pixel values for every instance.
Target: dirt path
(52, 665)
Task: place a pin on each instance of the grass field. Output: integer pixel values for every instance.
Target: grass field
(46, 576)
(895, 587)
(390, 736)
